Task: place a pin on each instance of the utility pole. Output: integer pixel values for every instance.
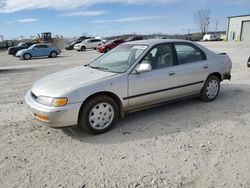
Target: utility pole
(216, 25)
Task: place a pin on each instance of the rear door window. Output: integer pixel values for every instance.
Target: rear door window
(187, 53)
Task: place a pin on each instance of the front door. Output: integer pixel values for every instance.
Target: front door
(156, 85)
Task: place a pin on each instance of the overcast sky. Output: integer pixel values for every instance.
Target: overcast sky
(111, 17)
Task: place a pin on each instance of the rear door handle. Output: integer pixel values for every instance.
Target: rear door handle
(171, 74)
(205, 66)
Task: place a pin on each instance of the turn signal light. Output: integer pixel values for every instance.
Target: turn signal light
(41, 117)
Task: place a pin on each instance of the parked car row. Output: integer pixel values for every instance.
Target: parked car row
(83, 43)
(22, 45)
(110, 45)
(72, 43)
(29, 50)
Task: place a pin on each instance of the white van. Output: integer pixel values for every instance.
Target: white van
(210, 37)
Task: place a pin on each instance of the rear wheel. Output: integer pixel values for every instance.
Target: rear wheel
(26, 56)
(53, 54)
(98, 115)
(211, 89)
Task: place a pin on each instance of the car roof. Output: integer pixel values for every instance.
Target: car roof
(152, 42)
(39, 44)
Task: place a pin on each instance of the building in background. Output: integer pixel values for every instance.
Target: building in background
(238, 28)
(1, 38)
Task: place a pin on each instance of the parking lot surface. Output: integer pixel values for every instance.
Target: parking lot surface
(183, 144)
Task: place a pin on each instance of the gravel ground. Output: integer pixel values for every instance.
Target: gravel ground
(183, 144)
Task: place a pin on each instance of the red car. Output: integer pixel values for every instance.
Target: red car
(110, 45)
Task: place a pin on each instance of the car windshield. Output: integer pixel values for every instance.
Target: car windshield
(20, 44)
(72, 42)
(109, 42)
(32, 46)
(120, 59)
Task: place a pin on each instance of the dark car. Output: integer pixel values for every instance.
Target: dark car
(72, 43)
(248, 63)
(110, 45)
(134, 38)
(22, 45)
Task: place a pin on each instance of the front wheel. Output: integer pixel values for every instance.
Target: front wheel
(26, 56)
(98, 115)
(83, 48)
(108, 49)
(210, 89)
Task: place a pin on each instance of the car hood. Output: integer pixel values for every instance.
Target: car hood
(102, 45)
(21, 51)
(13, 47)
(63, 82)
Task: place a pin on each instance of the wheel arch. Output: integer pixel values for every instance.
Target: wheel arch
(117, 100)
(53, 51)
(217, 74)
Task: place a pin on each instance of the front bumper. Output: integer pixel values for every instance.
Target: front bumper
(227, 76)
(77, 47)
(57, 116)
(101, 50)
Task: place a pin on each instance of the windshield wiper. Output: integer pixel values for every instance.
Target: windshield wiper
(100, 68)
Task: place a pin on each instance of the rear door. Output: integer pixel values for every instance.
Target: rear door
(192, 68)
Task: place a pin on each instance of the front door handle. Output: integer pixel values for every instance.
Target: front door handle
(205, 66)
(171, 74)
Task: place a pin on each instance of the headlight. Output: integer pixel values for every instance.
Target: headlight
(55, 102)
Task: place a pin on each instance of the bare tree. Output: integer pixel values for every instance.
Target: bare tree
(202, 19)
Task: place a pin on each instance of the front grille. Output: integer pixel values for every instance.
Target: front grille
(33, 95)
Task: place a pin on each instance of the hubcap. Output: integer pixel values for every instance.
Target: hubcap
(101, 116)
(212, 88)
(27, 56)
(53, 54)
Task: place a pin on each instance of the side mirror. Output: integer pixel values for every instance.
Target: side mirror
(248, 63)
(144, 67)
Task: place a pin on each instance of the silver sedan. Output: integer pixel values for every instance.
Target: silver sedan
(131, 77)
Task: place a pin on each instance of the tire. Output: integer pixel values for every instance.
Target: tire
(83, 48)
(98, 115)
(107, 50)
(27, 56)
(210, 89)
(53, 54)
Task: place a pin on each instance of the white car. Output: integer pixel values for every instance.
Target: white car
(130, 77)
(211, 37)
(88, 44)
